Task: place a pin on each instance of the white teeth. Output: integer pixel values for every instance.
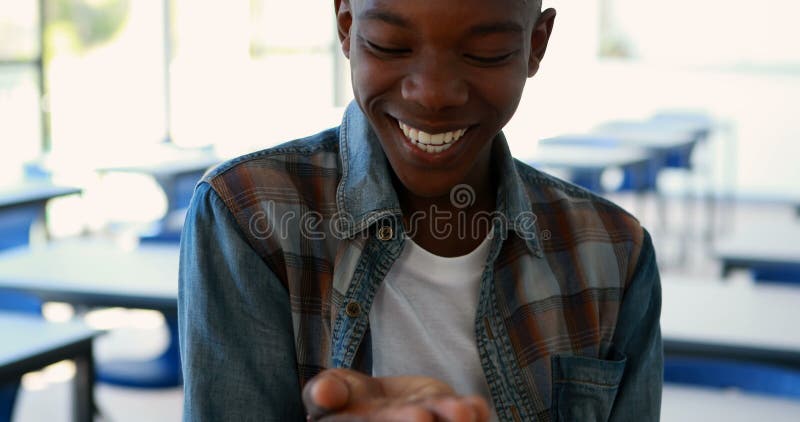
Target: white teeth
(431, 143)
(424, 137)
(431, 148)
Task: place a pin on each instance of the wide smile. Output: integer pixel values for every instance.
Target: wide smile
(432, 143)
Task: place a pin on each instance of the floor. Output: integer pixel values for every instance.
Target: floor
(681, 242)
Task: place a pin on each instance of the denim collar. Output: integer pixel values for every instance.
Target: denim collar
(366, 195)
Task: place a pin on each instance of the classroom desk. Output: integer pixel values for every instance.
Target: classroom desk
(32, 193)
(95, 273)
(99, 273)
(695, 404)
(33, 343)
(668, 146)
(21, 205)
(698, 122)
(675, 145)
(715, 318)
(767, 245)
(653, 138)
(587, 164)
(176, 171)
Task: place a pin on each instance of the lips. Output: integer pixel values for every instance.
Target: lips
(431, 142)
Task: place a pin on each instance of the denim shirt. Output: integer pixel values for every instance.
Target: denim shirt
(283, 250)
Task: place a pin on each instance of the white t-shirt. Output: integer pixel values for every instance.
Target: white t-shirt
(422, 320)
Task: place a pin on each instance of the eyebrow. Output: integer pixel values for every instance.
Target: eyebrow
(385, 16)
(478, 30)
(496, 27)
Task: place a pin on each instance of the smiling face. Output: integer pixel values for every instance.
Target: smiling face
(438, 80)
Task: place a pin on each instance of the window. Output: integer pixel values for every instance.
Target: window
(20, 116)
(250, 74)
(718, 33)
(738, 59)
(105, 77)
(99, 83)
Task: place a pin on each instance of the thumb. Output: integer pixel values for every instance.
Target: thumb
(335, 389)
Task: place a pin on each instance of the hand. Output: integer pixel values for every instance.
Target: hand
(342, 395)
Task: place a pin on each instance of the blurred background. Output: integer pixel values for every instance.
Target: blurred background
(684, 112)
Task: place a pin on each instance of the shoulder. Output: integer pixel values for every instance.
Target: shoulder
(267, 193)
(272, 172)
(547, 190)
(576, 219)
(303, 149)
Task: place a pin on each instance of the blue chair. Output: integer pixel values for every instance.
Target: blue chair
(166, 230)
(162, 372)
(778, 272)
(745, 376)
(635, 179)
(15, 224)
(162, 237)
(180, 189)
(674, 157)
(697, 121)
(699, 125)
(17, 302)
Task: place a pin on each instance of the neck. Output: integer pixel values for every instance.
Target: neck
(426, 219)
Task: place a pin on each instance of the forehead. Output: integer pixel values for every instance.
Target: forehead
(444, 12)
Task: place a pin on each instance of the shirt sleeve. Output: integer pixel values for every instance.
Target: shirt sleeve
(236, 337)
(638, 337)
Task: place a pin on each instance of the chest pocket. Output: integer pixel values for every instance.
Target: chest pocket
(584, 388)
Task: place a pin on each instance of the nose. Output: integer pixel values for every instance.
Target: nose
(435, 85)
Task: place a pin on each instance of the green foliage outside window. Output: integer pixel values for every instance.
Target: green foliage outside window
(76, 26)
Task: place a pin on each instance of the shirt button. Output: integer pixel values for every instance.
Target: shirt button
(353, 309)
(385, 233)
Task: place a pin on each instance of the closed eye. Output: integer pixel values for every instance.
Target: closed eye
(387, 50)
(489, 60)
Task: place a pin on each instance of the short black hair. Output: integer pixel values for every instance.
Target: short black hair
(535, 3)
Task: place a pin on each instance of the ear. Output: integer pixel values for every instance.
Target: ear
(344, 20)
(539, 39)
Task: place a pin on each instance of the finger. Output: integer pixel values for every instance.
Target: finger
(324, 394)
(343, 418)
(381, 413)
(404, 413)
(335, 389)
(453, 409)
(481, 407)
(414, 387)
(470, 408)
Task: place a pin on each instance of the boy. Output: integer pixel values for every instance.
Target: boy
(403, 266)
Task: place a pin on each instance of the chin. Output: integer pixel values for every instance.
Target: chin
(422, 186)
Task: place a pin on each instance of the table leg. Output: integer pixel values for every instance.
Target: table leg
(727, 267)
(83, 396)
